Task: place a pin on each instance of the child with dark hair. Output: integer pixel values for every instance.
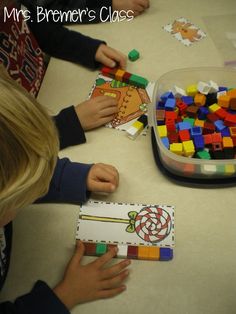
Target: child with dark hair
(22, 48)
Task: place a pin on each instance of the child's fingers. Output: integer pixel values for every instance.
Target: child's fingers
(116, 269)
(115, 281)
(107, 61)
(111, 110)
(144, 3)
(102, 179)
(106, 119)
(139, 8)
(105, 187)
(79, 250)
(111, 54)
(108, 107)
(101, 261)
(105, 101)
(112, 171)
(106, 174)
(104, 294)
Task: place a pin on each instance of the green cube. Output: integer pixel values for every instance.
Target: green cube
(133, 55)
(203, 155)
(138, 81)
(101, 248)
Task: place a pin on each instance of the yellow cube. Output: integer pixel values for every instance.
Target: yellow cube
(188, 148)
(176, 148)
(227, 142)
(119, 75)
(143, 252)
(154, 253)
(198, 122)
(192, 90)
(214, 108)
(229, 169)
(162, 130)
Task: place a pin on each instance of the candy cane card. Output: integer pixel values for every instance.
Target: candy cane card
(135, 224)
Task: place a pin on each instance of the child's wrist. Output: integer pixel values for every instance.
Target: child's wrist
(64, 297)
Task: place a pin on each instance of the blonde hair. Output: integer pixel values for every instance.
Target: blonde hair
(28, 146)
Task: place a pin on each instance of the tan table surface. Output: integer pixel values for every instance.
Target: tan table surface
(201, 279)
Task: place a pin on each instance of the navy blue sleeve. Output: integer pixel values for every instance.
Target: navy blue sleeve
(41, 300)
(60, 42)
(69, 128)
(68, 184)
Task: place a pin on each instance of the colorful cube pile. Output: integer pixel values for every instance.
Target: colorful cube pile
(198, 122)
(126, 77)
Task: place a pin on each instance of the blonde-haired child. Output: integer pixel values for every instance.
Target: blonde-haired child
(30, 169)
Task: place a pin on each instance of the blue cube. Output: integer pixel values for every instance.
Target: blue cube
(225, 132)
(170, 104)
(196, 130)
(184, 126)
(202, 113)
(166, 254)
(188, 100)
(166, 142)
(167, 95)
(198, 142)
(222, 88)
(219, 124)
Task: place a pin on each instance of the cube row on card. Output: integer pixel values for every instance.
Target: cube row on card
(126, 77)
(140, 252)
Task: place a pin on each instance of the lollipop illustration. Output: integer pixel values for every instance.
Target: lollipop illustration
(152, 223)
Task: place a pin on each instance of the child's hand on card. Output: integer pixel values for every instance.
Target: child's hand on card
(110, 57)
(137, 6)
(83, 283)
(96, 112)
(102, 178)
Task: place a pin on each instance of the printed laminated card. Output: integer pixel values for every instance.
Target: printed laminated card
(185, 31)
(148, 229)
(132, 101)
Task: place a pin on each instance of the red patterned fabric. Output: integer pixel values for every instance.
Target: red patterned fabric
(19, 51)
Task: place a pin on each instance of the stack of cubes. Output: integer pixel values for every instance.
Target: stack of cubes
(141, 252)
(126, 77)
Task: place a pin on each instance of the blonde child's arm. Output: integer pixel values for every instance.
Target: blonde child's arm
(83, 283)
(102, 178)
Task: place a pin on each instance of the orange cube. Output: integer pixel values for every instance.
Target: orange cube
(223, 101)
(200, 99)
(227, 142)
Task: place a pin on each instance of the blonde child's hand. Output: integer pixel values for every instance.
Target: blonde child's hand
(110, 57)
(97, 111)
(82, 283)
(137, 6)
(102, 178)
